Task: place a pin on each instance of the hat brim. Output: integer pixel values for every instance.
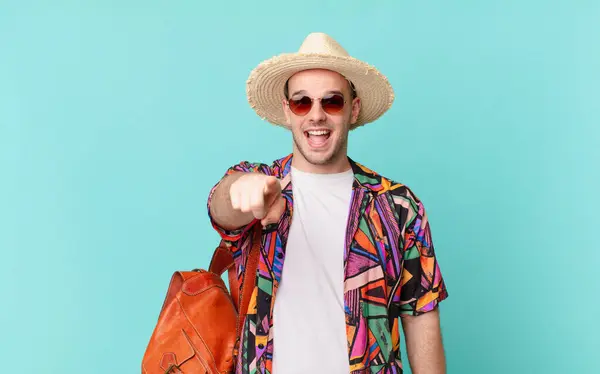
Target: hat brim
(264, 87)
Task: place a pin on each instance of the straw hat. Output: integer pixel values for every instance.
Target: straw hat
(265, 85)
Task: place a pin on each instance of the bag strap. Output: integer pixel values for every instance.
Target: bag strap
(223, 260)
(249, 280)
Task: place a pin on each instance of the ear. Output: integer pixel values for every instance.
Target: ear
(355, 110)
(286, 111)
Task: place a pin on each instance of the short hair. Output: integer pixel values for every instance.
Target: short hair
(350, 86)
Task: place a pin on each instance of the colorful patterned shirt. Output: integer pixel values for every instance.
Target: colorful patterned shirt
(391, 270)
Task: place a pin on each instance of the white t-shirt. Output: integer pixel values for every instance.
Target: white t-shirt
(309, 326)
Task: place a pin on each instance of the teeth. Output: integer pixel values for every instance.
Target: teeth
(318, 132)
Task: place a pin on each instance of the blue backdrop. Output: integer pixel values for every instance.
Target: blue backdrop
(116, 117)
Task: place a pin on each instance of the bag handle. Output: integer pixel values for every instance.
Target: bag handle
(223, 260)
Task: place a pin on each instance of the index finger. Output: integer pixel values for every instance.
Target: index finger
(270, 185)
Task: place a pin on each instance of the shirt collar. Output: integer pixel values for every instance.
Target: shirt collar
(364, 178)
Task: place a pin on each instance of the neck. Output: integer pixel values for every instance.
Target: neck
(336, 165)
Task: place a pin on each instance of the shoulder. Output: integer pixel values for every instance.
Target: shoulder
(278, 167)
(404, 200)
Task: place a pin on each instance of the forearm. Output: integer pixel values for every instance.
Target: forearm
(221, 209)
(424, 344)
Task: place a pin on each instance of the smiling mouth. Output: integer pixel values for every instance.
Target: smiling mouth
(317, 138)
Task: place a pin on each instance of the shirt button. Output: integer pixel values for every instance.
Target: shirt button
(280, 255)
(261, 346)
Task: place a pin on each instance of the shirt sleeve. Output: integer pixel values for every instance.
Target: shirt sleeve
(422, 285)
(233, 236)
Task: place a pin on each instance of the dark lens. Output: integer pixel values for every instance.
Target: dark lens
(333, 104)
(301, 106)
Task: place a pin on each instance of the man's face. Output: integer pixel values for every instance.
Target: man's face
(320, 137)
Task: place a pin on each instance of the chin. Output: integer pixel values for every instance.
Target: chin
(320, 156)
(319, 159)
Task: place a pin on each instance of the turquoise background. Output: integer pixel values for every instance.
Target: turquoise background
(116, 117)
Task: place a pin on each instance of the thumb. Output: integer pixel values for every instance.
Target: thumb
(275, 212)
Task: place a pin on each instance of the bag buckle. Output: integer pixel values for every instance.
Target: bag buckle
(171, 367)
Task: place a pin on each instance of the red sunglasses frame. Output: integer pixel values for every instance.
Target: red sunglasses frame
(325, 108)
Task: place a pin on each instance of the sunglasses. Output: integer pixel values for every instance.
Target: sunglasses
(331, 104)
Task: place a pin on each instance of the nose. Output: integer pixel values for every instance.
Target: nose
(316, 113)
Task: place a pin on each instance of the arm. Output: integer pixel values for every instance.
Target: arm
(222, 210)
(423, 288)
(243, 196)
(424, 343)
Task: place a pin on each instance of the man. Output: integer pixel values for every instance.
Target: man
(346, 256)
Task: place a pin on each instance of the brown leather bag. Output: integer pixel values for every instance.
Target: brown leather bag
(200, 321)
